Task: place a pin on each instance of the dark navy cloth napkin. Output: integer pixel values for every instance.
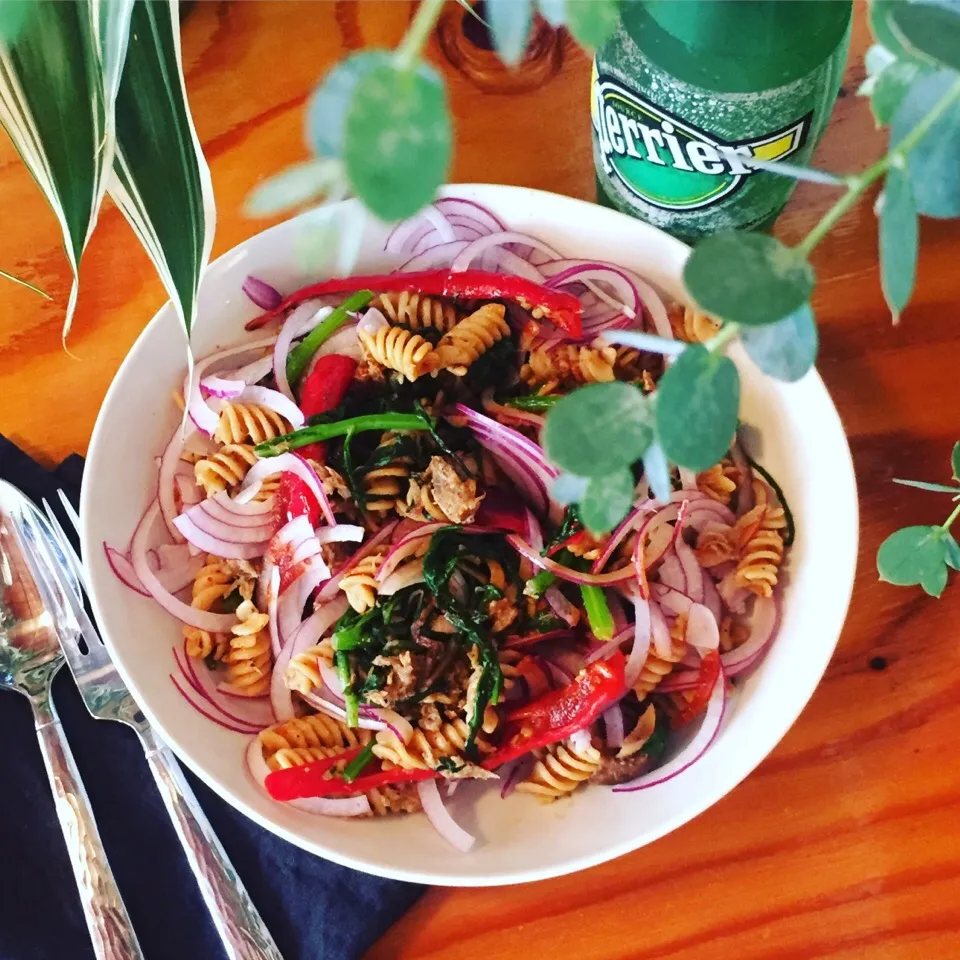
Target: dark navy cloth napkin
(315, 909)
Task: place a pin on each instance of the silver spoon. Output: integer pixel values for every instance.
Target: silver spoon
(31, 612)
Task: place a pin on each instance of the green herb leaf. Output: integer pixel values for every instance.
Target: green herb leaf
(534, 402)
(889, 89)
(929, 30)
(747, 277)
(327, 109)
(591, 22)
(955, 461)
(299, 184)
(658, 472)
(697, 404)
(577, 433)
(935, 582)
(607, 500)
(786, 349)
(923, 485)
(932, 163)
(911, 556)
(509, 22)
(899, 241)
(340, 428)
(398, 139)
(953, 551)
(356, 766)
(568, 488)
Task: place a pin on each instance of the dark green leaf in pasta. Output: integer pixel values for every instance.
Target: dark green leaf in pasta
(932, 163)
(697, 404)
(579, 429)
(607, 500)
(786, 349)
(899, 240)
(747, 277)
(911, 556)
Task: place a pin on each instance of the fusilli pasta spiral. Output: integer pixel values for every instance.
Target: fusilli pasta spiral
(360, 584)
(426, 747)
(655, 667)
(417, 311)
(397, 349)
(243, 422)
(225, 468)
(249, 658)
(385, 487)
(568, 364)
(311, 732)
(719, 482)
(715, 545)
(471, 337)
(692, 325)
(560, 769)
(761, 548)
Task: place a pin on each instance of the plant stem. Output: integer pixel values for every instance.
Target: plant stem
(948, 523)
(726, 333)
(416, 36)
(859, 183)
(24, 283)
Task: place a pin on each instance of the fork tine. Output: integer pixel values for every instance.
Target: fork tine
(68, 509)
(76, 564)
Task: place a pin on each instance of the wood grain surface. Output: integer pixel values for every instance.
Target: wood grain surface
(845, 843)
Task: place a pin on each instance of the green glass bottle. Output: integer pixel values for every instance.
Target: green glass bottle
(685, 89)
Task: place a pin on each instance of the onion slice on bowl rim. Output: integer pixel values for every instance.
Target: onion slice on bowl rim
(440, 817)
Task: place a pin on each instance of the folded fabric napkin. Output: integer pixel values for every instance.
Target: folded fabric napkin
(314, 908)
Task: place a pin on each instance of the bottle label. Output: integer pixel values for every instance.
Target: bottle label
(667, 161)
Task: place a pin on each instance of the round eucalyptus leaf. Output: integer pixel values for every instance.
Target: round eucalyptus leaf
(899, 241)
(750, 278)
(398, 139)
(509, 22)
(697, 404)
(936, 581)
(591, 21)
(568, 488)
(932, 163)
(657, 469)
(929, 30)
(890, 87)
(297, 185)
(607, 500)
(598, 429)
(786, 349)
(953, 551)
(326, 117)
(911, 555)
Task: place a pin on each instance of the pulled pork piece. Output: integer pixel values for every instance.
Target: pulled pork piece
(456, 499)
(401, 681)
(333, 483)
(503, 612)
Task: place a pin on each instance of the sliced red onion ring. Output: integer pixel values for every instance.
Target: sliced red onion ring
(561, 606)
(261, 293)
(309, 548)
(711, 598)
(660, 631)
(691, 568)
(201, 619)
(524, 417)
(169, 464)
(430, 220)
(452, 207)
(641, 641)
(405, 547)
(253, 712)
(294, 598)
(222, 389)
(670, 600)
(762, 627)
(435, 258)
(122, 569)
(606, 650)
(325, 806)
(254, 514)
(498, 239)
(703, 631)
(613, 725)
(204, 711)
(627, 525)
(228, 530)
(565, 573)
(270, 599)
(382, 718)
(406, 576)
(439, 816)
(254, 371)
(177, 567)
(276, 401)
(340, 533)
(228, 549)
(671, 573)
(293, 463)
(695, 749)
(290, 330)
(330, 588)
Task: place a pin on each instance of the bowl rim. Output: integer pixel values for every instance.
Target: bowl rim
(746, 762)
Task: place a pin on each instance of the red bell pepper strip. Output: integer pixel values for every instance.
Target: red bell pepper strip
(560, 308)
(706, 680)
(323, 390)
(310, 780)
(561, 713)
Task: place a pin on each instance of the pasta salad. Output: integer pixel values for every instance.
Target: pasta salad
(360, 534)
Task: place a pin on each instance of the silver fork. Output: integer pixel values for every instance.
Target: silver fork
(242, 931)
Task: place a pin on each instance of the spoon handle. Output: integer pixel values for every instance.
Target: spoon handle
(242, 932)
(111, 931)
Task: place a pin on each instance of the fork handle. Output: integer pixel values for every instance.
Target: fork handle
(110, 928)
(242, 931)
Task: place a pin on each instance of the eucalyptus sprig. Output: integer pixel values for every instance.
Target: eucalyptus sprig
(922, 554)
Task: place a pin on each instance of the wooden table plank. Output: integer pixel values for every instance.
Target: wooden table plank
(843, 844)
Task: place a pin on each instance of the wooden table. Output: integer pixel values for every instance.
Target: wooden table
(845, 843)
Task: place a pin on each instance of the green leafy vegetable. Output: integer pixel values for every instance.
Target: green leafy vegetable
(534, 402)
(509, 22)
(786, 349)
(299, 357)
(357, 765)
(398, 141)
(606, 501)
(750, 278)
(325, 431)
(351, 629)
(697, 404)
(899, 241)
(577, 433)
(598, 611)
(911, 556)
(351, 702)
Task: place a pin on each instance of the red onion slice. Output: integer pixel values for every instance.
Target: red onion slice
(627, 526)
(330, 588)
(641, 641)
(405, 547)
(123, 570)
(561, 606)
(695, 749)
(201, 619)
(498, 239)
(703, 631)
(435, 258)
(222, 389)
(660, 632)
(440, 817)
(228, 530)
(271, 594)
(254, 712)
(249, 514)
(294, 598)
(340, 533)
(203, 711)
(672, 601)
(613, 726)
(261, 293)
(406, 576)
(169, 463)
(762, 628)
(228, 549)
(276, 401)
(524, 417)
(281, 349)
(254, 371)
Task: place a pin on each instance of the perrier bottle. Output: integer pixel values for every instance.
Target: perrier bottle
(686, 90)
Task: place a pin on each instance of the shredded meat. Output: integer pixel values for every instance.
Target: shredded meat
(613, 770)
(401, 681)
(457, 498)
(503, 613)
(333, 483)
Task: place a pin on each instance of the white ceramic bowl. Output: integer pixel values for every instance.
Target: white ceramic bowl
(800, 440)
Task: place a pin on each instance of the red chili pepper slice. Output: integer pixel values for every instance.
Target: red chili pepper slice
(322, 391)
(560, 308)
(561, 713)
(295, 499)
(707, 678)
(296, 783)
(504, 512)
(573, 539)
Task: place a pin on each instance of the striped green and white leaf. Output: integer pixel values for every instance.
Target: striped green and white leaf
(59, 69)
(92, 95)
